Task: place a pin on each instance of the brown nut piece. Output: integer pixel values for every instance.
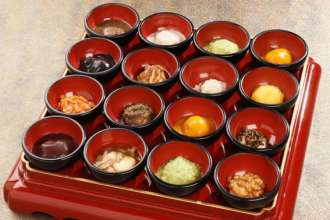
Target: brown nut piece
(152, 74)
(247, 185)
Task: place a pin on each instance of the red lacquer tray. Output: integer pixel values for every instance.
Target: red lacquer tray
(73, 194)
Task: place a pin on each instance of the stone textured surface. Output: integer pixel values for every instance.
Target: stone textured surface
(35, 34)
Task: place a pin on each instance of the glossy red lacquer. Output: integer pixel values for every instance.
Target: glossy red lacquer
(268, 122)
(93, 46)
(168, 20)
(272, 39)
(134, 62)
(103, 139)
(195, 106)
(53, 125)
(84, 86)
(282, 79)
(172, 149)
(224, 30)
(204, 68)
(119, 99)
(249, 162)
(112, 11)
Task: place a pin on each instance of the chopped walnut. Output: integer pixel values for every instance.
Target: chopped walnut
(246, 185)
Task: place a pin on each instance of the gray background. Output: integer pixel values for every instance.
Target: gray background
(35, 35)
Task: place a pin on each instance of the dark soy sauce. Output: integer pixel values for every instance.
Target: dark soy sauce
(54, 146)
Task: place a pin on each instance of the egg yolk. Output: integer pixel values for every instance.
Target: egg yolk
(279, 56)
(196, 126)
(268, 94)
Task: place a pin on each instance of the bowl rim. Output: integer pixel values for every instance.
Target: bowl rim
(260, 59)
(133, 29)
(58, 112)
(274, 106)
(264, 150)
(173, 186)
(242, 50)
(191, 90)
(168, 80)
(265, 196)
(154, 120)
(72, 154)
(101, 73)
(188, 138)
(94, 168)
(144, 39)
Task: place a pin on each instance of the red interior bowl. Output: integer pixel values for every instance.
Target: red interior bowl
(97, 144)
(263, 166)
(287, 83)
(272, 39)
(85, 86)
(194, 106)
(170, 20)
(133, 62)
(221, 29)
(120, 98)
(100, 141)
(272, 124)
(51, 125)
(169, 150)
(94, 46)
(204, 68)
(111, 11)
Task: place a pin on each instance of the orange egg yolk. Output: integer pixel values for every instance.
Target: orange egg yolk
(279, 56)
(196, 126)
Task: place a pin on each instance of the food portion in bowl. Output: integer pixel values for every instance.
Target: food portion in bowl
(53, 142)
(166, 36)
(152, 67)
(117, 157)
(194, 118)
(135, 107)
(195, 126)
(115, 21)
(152, 74)
(74, 104)
(253, 138)
(112, 27)
(247, 180)
(210, 86)
(269, 87)
(166, 30)
(246, 185)
(93, 63)
(279, 48)
(278, 56)
(258, 130)
(222, 46)
(54, 145)
(137, 114)
(209, 76)
(179, 171)
(97, 57)
(179, 168)
(268, 94)
(75, 96)
(223, 39)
